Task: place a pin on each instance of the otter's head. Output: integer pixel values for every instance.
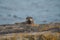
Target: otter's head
(29, 20)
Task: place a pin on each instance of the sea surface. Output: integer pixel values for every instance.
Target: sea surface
(43, 11)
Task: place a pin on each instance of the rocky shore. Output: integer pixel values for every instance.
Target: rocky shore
(22, 28)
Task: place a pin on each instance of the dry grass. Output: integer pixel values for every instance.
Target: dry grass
(30, 36)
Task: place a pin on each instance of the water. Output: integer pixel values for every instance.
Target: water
(43, 11)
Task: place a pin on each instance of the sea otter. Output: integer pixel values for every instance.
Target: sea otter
(29, 20)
